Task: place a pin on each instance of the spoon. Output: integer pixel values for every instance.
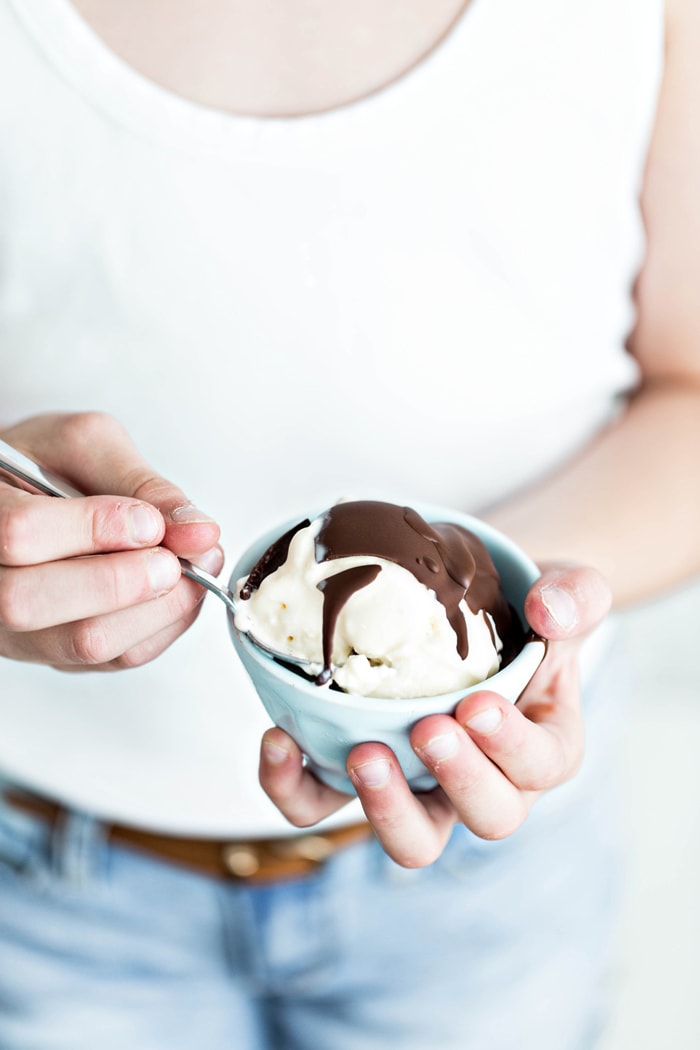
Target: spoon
(44, 481)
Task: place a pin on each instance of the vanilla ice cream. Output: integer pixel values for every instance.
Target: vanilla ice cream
(381, 603)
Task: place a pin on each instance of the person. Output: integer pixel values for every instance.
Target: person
(281, 254)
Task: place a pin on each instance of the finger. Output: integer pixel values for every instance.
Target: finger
(485, 800)
(98, 640)
(567, 602)
(148, 649)
(536, 745)
(36, 529)
(190, 600)
(96, 454)
(35, 597)
(300, 796)
(413, 829)
(92, 450)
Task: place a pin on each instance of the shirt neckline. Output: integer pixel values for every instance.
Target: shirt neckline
(134, 101)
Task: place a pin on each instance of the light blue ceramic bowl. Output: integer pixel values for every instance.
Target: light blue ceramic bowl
(326, 723)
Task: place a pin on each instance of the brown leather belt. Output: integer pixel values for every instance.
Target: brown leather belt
(254, 860)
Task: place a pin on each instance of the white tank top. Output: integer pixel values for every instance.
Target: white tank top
(422, 296)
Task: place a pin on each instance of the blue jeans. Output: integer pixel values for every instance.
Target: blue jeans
(496, 946)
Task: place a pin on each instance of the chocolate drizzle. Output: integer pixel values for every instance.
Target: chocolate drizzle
(272, 559)
(447, 559)
(336, 591)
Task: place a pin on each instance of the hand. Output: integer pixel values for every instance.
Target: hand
(95, 583)
(491, 759)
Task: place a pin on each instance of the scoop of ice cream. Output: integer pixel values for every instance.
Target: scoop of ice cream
(381, 602)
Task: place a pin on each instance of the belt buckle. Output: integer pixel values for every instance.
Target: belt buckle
(272, 858)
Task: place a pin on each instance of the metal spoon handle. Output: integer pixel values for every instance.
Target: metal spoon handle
(50, 484)
(32, 474)
(193, 572)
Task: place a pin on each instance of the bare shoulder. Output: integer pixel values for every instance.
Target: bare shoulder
(667, 337)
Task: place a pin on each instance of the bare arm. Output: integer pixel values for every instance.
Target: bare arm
(630, 504)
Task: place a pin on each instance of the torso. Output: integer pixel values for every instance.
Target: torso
(269, 58)
(420, 297)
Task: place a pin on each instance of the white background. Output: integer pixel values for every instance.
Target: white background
(656, 984)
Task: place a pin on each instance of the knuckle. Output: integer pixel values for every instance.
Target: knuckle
(295, 808)
(458, 782)
(123, 583)
(15, 533)
(388, 826)
(183, 602)
(299, 820)
(146, 485)
(546, 777)
(133, 658)
(416, 858)
(181, 624)
(81, 430)
(90, 643)
(560, 766)
(504, 824)
(144, 652)
(15, 602)
(107, 523)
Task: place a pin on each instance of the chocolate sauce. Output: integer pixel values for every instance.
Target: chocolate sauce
(271, 560)
(336, 591)
(447, 559)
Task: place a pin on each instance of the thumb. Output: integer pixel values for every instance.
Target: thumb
(567, 602)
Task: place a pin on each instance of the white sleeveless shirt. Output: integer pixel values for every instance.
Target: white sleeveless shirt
(422, 296)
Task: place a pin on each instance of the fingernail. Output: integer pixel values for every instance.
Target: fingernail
(273, 753)
(145, 524)
(163, 572)
(373, 774)
(440, 747)
(188, 514)
(561, 606)
(485, 721)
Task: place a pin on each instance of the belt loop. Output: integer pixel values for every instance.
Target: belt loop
(75, 845)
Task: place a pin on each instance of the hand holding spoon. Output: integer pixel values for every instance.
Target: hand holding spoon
(40, 480)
